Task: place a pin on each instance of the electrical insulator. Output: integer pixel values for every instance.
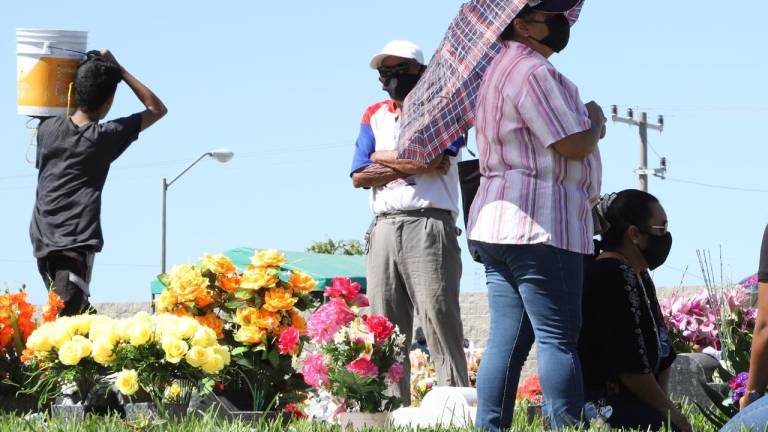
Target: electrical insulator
(630, 113)
(661, 120)
(614, 110)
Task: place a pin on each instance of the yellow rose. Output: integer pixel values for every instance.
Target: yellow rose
(187, 283)
(256, 278)
(198, 356)
(127, 382)
(179, 327)
(38, 341)
(59, 335)
(204, 337)
(222, 352)
(69, 353)
(214, 364)
(278, 299)
(301, 282)
(174, 349)
(268, 258)
(166, 301)
(249, 317)
(250, 335)
(172, 393)
(103, 352)
(140, 332)
(84, 344)
(218, 264)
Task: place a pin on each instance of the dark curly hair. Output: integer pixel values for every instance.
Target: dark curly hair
(509, 32)
(630, 207)
(96, 81)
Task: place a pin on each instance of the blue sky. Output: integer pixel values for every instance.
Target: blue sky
(284, 85)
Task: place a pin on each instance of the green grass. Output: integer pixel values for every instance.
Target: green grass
(209, 422)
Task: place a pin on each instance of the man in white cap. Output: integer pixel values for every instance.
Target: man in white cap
(413, 258)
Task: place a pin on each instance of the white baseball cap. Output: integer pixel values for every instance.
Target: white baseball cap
(398, 48)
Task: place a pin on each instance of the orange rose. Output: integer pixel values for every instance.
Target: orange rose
(302, 282)
(252, 317)
(298, 321)
(230, 283)
(203, 301)
(213, 322)
(278, 299)
(256, 278)
(219, 264)
(187, 283)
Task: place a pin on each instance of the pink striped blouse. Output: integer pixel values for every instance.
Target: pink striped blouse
(529, 193)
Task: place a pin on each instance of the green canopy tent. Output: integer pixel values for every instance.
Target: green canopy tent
(323, 268)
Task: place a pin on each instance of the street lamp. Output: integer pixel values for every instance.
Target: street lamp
(220, 155)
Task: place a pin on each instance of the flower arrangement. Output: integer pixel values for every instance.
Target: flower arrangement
(257, 312)
(16, 324)
(149, 354)
(423, 376)
(706, 320)
(164, 357)
(530, 391)
(357, 356)
(60, 354)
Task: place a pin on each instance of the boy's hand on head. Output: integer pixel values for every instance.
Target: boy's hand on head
(107, 54)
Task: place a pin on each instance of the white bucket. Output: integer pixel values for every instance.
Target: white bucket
(46, 62)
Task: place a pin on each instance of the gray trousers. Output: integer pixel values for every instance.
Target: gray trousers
(414, 264)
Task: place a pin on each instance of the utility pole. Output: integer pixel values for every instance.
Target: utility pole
(642, 124)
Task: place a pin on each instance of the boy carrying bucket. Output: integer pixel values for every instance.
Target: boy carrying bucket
(74, 154)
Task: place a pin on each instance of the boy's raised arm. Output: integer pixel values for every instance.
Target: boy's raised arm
(155, 108)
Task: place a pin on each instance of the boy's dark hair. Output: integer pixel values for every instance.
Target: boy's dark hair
(630, 207)
(96, 81)
(509, 32)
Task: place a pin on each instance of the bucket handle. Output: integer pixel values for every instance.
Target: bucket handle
(47, 49)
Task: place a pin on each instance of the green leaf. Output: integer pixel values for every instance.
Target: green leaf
(239, 350)
(244, 361)
(274, 358)
(257, 301)
(236, 304)
(164, 279)
(243, 294)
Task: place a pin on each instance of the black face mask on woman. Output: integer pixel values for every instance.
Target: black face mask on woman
(559, 32)
(657, 249)
(400, 84)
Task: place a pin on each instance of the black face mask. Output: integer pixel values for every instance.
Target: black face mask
(399, 85)
(657, 250)
(559, 32)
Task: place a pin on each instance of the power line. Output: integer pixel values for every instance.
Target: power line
(716, 186)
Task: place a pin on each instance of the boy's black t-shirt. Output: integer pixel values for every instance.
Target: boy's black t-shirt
(73, 164)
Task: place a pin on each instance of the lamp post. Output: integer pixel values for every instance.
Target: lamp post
(220, 155)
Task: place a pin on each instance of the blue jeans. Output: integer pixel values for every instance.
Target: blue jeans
(534, 293)
(753, 418)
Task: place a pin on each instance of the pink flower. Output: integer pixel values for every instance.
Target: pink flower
(345, 289)
(395, 373)
(289, 341)
(363, 366)
(314, 370)
(380, 326)
(359, 300)
(328, 319)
